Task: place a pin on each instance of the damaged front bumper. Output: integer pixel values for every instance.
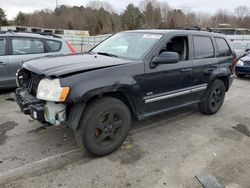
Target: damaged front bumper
(43, 111)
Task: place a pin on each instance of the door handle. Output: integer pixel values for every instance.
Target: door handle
(186, 70)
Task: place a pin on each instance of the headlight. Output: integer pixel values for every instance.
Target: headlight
(50, 90)
(240, 63)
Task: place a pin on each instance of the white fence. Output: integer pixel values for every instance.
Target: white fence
(239, 37)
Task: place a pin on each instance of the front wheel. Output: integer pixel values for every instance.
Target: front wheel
(214, 98)
(104, 126)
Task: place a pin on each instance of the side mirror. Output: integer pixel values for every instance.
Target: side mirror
(165, 58)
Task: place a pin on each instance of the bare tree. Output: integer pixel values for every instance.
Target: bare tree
(97, 4)
(242, 12)
(144, 3)
(164, 7)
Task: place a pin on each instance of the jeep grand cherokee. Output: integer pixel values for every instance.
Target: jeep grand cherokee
(132, 74)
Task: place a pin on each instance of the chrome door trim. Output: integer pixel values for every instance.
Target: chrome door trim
(176, 94)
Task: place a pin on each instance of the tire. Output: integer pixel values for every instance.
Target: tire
(240, 75)
(214, 98)
(104, 126)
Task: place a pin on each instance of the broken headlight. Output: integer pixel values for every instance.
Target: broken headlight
(50, 90)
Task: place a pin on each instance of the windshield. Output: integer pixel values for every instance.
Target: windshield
(127, 45)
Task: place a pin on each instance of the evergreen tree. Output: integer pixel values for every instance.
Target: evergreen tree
(132, 17)
(3, 18)
(20, 19)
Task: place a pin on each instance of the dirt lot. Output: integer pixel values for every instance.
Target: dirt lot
(165, 151)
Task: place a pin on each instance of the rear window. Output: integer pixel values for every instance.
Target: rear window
(2, 46)
(223, 47)
(203, 47)
(22, 46)
(54, 46)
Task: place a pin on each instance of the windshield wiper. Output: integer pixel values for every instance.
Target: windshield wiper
(107, 54)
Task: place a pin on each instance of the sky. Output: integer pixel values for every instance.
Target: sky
(12, 7)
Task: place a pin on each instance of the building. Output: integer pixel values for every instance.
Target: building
(46, 30)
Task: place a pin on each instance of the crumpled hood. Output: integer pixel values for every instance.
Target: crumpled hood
(62, 65)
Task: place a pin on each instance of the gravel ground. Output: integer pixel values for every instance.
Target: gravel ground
(165, 151)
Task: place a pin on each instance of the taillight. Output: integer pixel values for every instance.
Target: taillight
(71, 48)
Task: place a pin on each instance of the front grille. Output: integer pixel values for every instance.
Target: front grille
(33, 83)
(247, 63)
(28, 80)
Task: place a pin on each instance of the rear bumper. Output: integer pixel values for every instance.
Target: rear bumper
(242, 70)
(30, 105)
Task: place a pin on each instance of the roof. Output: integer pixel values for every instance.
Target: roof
(176, 31)
(27, 34)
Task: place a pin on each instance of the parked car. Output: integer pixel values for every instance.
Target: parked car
(243, 66)
(131, 75)
(240, 48)
(17, 47)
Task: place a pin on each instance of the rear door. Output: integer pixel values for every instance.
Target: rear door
(225, 54)
(204, 62)
(23, 49)
(4, 63)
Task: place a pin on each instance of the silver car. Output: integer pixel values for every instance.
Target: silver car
(17, 47)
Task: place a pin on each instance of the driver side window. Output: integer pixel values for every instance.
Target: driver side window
(178, 45)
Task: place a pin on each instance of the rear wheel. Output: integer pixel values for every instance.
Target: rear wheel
(214, 98)
(104, 126)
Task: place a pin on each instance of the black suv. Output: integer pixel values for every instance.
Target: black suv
(132, 74)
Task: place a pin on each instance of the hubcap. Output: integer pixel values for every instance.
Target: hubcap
(217, 96)
(108, 128)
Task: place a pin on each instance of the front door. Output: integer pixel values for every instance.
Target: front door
(168, 85)
(4, 64)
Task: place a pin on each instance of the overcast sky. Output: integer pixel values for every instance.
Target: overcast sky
(209, 6)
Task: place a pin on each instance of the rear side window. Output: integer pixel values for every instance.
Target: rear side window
(223, 47)
(203, 47)
(54, 46)
(22, 46)
(2, 46)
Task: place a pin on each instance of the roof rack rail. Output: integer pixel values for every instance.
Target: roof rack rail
(49, 34)
(196, 28)
(38, 33)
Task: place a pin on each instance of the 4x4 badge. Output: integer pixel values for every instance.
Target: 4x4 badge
(150, 93)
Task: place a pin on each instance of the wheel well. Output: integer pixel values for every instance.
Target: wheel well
(224, 79)
(120, 96)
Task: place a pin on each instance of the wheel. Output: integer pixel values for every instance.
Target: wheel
(104, 126)
(214, 98)
(240, 75)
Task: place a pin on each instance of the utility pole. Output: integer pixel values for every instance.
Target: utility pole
(57, 15)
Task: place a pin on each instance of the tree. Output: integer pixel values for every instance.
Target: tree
(152, 16)
(20, 19)
(132, 17)
(176, 18)
(97, 4)
(164, 7)
(242, 12)
(3, 18)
